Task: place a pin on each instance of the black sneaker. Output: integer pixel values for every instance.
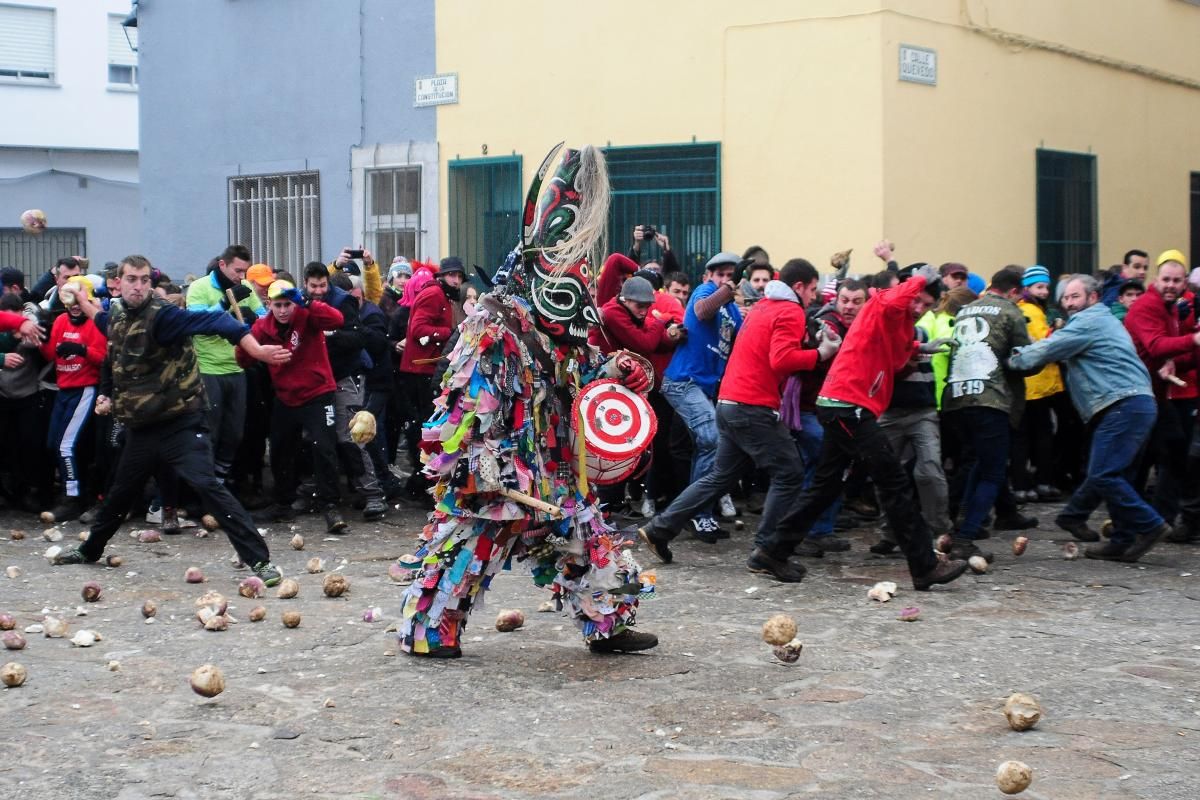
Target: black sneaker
(943, 572)
(807, 549)
(270, 574)
(1015, 522)
(829, 544)
(374, 509)
(658, 545)
(441, 651)
(962, 549)
(1109, 551)
(1080, 530)
(276, 512)
(1047, 493)
(304, 504)
(89, 516)
(1144, 541)
(333, 520)
(764, 563)
(1183, 533)
(627, 641)
(72, 556)
(701, 529)
(884, 547)
(394, 492)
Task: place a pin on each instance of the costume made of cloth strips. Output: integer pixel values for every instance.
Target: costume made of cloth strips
(504, 445)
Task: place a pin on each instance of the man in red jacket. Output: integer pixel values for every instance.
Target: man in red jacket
(766, 352)
(304, 402)
(857, 390)
(1167, 346)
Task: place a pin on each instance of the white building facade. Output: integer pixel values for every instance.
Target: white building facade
(68, 131)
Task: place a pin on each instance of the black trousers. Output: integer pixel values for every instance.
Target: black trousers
(312, 424)
(850, 434)
(183, 445)
(26, 421)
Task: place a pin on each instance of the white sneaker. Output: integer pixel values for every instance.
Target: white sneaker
(727, 509)
(648, 508)
(154, 515)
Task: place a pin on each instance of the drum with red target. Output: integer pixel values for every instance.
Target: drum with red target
(618, 426)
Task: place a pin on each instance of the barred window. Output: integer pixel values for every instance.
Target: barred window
(278, 217)
(27, 44)
(393, 213)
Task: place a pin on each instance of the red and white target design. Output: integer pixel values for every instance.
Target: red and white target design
(618, 426)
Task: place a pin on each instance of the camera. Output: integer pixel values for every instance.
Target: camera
(355, 253)
(648, 233)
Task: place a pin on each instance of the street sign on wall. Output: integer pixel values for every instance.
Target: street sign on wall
(435, 90)
(918, 65)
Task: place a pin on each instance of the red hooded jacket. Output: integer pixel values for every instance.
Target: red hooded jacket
(1159, 337)
(308, 374)
(766, 351)
(878, 345)
(431, 317)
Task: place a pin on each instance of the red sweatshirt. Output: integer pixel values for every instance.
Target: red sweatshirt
(10, 321)
(766, 351)
(878, 345)
(1159, 336)
(616, 269)
(308, 374)
(76, 371)
(667, 308)
(621, 332)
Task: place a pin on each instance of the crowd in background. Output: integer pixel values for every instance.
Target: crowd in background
(977, 387)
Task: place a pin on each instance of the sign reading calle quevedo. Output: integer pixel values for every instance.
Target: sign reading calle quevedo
(918, 65)
(436, 90)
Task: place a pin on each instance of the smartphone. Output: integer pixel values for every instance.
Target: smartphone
(355, 253)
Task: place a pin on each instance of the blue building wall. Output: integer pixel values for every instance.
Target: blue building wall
(266, 86)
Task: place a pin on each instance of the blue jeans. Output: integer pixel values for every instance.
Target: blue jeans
(808, 442)
(989, 432)
(1120, 433)
(696, 410)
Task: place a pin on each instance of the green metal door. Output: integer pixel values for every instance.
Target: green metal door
(485, 209)
(675, 188)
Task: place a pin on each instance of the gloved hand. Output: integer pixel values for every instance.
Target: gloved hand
(739, 271)
(929, 273)
(68, 349)
(942, 345)
(633, 375)
(240, 293)
(295, 295)
(1185, 310)
(828, 343)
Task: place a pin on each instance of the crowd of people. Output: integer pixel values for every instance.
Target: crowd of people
(917, 401)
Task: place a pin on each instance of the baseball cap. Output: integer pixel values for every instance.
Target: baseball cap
(278, 288)
(260, 274)
(952, 268)
(1171, 255)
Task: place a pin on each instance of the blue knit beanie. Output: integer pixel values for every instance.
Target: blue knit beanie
(1035, 274)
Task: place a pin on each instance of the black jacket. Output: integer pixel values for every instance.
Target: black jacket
(346, 344)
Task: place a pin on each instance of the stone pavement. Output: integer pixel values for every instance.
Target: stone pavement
(875, 707)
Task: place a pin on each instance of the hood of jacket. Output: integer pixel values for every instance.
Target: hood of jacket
(778, 290)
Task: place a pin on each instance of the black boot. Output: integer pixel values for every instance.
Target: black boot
(627, 641)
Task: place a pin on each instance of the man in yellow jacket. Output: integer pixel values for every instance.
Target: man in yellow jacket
(1033, 449)
(372, 281)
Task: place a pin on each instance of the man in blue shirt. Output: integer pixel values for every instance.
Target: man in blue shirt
(690, 381)
(1111, 390)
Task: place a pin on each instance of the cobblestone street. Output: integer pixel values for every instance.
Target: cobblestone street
(874, 707)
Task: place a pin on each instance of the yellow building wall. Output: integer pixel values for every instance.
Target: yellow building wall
(822, 147)
(1015, 76)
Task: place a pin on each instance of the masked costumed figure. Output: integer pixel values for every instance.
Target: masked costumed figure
(510, 443)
